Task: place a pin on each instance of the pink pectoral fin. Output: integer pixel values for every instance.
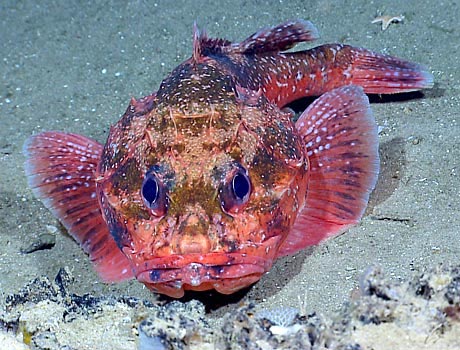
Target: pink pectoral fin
(340, 136)
(61, 169)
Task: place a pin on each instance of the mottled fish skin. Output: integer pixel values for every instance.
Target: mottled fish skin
(204, 183)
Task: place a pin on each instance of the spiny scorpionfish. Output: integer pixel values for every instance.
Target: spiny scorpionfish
(206, 182)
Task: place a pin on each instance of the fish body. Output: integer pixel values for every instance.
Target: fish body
(206, 182)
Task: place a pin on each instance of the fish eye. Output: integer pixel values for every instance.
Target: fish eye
(154, 194)
(235, 191)
(150, 190)
(241, 186)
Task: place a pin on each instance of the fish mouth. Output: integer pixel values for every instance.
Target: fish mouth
(224, 272)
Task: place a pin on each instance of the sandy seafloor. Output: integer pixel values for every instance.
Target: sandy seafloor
(73, 66)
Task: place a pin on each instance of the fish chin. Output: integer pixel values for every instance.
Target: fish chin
(224, 272)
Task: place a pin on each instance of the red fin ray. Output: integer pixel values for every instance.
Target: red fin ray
(61, 169)
(384, 74)
(341, 139)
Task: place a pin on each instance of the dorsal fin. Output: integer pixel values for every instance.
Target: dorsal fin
(202, 45)
(279, 38)
(196, 42)
(274, 39)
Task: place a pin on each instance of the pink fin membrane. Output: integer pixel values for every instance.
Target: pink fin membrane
(269, 40)
(61, 170)
(340, 135)
(383, 74)
(279, 38)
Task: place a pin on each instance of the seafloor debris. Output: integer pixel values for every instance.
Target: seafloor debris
(423, 313)
(387, 20)
(46, 240)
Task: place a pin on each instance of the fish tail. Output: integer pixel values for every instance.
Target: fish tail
(285, 77)
(383, 74)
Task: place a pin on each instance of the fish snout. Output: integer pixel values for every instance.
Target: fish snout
(193, 237)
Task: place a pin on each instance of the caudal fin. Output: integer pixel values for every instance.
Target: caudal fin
(340, 137)
(383, 74)
(293, 75)
(61, 170)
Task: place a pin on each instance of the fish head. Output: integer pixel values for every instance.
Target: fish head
(203, 198)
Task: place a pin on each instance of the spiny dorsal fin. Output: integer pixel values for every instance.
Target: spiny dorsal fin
(202, 45)
(197, 42)
(278, 38)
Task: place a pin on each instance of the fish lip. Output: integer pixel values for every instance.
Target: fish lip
(196, 269)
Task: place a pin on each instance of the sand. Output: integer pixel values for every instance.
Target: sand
(73, 66)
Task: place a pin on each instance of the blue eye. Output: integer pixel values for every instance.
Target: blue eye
(154, 194)
(235, 190)
(150, 190)
(241, 186)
